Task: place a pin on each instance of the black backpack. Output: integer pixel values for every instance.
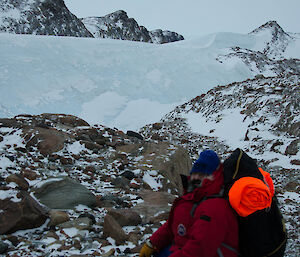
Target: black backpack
(262, 233)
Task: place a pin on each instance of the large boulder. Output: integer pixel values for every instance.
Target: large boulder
(64, 193)
(23, 213)
(170, 161)
(47, 140)
(155, 203)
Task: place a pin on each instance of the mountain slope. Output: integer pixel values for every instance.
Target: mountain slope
(42, 17)
(260, 116)
(118, 25)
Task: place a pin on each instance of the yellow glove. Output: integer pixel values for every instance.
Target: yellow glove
(146, 250)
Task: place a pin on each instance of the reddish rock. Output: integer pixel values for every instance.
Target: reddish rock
(66, 160)
(111, 228)
(58, 217)
(25, 214)
(125, 217)
(47, 140)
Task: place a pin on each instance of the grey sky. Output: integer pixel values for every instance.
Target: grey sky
(197, 17)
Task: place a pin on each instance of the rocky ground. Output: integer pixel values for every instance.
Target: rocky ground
(69, 189)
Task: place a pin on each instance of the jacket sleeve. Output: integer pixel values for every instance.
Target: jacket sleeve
(207, 232)
(162, 237)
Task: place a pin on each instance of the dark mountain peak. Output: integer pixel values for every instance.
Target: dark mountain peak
(118, 25)
(117, 15)
(273, 26)
(43, 17)
(276, 39)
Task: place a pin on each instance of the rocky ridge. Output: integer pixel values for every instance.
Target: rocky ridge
(118, 25)
(42, 17)
(268, 111)
(269, 58)
(67, 188)
(278, 39)
(48, 17)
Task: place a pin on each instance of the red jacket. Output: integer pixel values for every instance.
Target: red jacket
(212, 224)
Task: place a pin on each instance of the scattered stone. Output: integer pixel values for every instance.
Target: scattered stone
(90, 168)
(111, 252)
(91, 146)
(293, 147)
(13, 239)
(21, 149)
(125, 217)
(128, 174)
(88, 215)
(111, 228)
(154, 203)
(19, 180)
(134, 134)
(83, 223)
(58, 217)
(157, 126)
(120, 183)
(295, 162)
(52, 234)
(66, 161)
(157, 137)
(3, 247)
(29, 174)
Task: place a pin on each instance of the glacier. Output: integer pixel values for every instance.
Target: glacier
(115, 83)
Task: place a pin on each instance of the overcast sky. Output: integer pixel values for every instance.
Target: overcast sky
(197, 17)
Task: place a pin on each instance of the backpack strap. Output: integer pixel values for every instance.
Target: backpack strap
(237, 164)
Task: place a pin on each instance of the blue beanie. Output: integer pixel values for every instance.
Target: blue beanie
(207, 163)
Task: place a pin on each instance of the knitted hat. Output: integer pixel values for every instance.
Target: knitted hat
(207, 163)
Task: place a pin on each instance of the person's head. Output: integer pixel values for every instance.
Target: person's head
(204, 167)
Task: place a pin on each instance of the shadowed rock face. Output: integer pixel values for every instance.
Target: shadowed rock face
(41, 17)
(118, 25)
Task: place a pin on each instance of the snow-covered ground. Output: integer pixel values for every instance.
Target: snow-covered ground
(116, 83)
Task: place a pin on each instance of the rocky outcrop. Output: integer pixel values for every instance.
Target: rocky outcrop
(118, 25)
(269, 57)
(42, 17)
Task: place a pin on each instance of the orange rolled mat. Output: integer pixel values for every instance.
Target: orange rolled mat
(248, 195)
(268, 180)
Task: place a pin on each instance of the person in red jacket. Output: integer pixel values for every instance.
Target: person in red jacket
(201, 223)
